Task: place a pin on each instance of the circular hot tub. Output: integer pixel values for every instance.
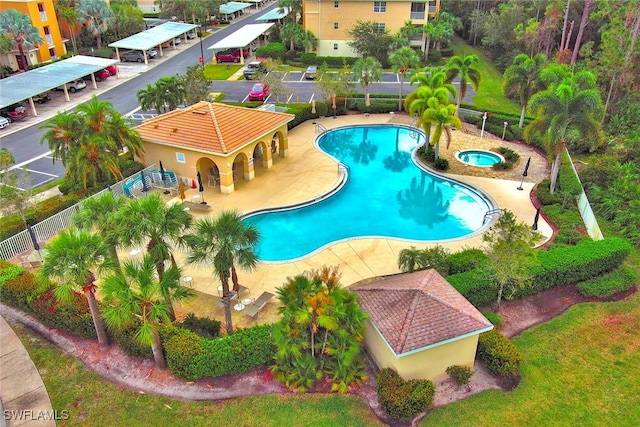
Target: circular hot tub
(479, 158)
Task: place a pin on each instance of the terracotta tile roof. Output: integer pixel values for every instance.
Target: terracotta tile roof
(418, 309)
(211, 127)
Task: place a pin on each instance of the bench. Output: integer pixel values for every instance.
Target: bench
(197, 206)
(258, 304)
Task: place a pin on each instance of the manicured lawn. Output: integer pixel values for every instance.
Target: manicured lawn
(489, 96)
(221, 71)
(92, 401)
(579, 369)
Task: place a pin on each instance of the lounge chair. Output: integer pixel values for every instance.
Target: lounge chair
(258, 305)
(232, 296)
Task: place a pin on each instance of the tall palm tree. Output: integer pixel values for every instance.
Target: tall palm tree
(151, 222)
(467, 70)
(367, 70)
(442, 116)
(522, 80)
(134, 293)
(404, 60)
(97, 16)
(294, 33)
(223, 243)
(20, 29)
(97, 213)
(71, 262)
(63, 133)
(566, 115)
(150, 98)
(92, 161)
(421, 103)
(69, 15)
(310, 41)
(411, 259)
(434, 78)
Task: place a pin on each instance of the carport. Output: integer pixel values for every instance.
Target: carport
(273, 15)
(23, 86)
(153, 37)
(241, 38)
(230, 9)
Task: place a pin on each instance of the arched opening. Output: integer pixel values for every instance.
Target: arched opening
(209, 171)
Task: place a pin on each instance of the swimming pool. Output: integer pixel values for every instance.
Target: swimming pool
(480, 158)
(385, 195)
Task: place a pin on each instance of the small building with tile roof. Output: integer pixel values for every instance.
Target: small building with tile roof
(224, 143)
(419, 324)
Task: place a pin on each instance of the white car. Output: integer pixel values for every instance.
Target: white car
(177, 40)
(4, 122)
(73, 87)
(192, 35)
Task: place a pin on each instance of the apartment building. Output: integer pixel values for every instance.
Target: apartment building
(43, 17)
(329, 20)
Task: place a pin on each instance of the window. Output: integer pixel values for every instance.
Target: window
(417, 11)
(43, 13)
(335, 25)
(379, 6)
(380, 27)
(52, 53)
(180, 158)
(335, 4)
(335, 46)
(47, 35)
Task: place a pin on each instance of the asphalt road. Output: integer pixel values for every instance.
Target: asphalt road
(29, 153)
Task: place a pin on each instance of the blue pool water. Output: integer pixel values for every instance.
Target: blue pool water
(481, 158)
(386, 195)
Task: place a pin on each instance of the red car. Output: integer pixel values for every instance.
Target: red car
(259, 92)
(100, 75)
(231, 55)
(112, 70)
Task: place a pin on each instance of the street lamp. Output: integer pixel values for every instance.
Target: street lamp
(504, 130)
(484, 119)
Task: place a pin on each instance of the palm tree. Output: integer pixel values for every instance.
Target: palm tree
(294, 32)
(441, 116)
(19, 28)
(97, 16)
(71, 261)
(133, 293)
(434, 78)
(411, 259)
(466, 69)
(566, 115)
(223, 243)
(97, 213)
(522, 80)
(69, 15)
(310, 41)
(403, 60)
(151, 222)
(150, 98)
(165, 95)
(367, 70)
(63, 134)
(92, 161)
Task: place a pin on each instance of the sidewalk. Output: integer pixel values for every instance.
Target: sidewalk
(21, 387)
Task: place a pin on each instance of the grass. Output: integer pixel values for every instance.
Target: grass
(92, 401)
(220, 71)
(579, 369)
(489, 95)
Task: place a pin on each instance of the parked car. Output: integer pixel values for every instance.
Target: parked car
(14, 112)
(100, 76)
(177, 40)
(254, 69)
(259, 92)
(73, 87)
(192, 35)
(112, 70)
(152, 53)
(132, 56)
(311, 72)
(4, 122)
(41, 98)
(231, 55)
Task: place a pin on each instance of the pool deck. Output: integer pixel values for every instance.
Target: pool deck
(306, 173)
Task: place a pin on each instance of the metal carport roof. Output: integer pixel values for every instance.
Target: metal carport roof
(232, 6)
(153, 37)
(273, 15)
(23, 86)
(242, 37)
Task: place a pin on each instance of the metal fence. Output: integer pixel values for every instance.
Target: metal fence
(588, 217)
(44, 230)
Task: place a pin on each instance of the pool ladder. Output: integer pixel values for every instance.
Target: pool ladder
(489, 214)
(320, 128)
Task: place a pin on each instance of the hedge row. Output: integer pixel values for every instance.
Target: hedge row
(608, 284)
(498, 353)
(192, 357)
(402, 399)
(556, 267)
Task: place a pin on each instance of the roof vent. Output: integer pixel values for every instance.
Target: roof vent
(202, 112)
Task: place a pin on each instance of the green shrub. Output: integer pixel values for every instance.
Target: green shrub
(127, 341)
(181, 349)
(461, 375)
(402, 399)
(10, 225)
(568, 235)
(500, 166)
(73, 316)
(238, 353)
(203, 326)
(509, 155)
(608, 284)
(426, 153)
(494, 318)
(498, 353)
(271, 50)
(441, 164)
(18, 287)
(376, 107)
(476, 285)
(544, 196)
(466, 260)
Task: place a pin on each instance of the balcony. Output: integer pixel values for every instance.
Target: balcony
(417, 15)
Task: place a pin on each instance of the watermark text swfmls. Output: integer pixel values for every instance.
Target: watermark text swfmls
(35, 415)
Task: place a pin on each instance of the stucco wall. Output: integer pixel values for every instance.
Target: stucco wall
(428, 364)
